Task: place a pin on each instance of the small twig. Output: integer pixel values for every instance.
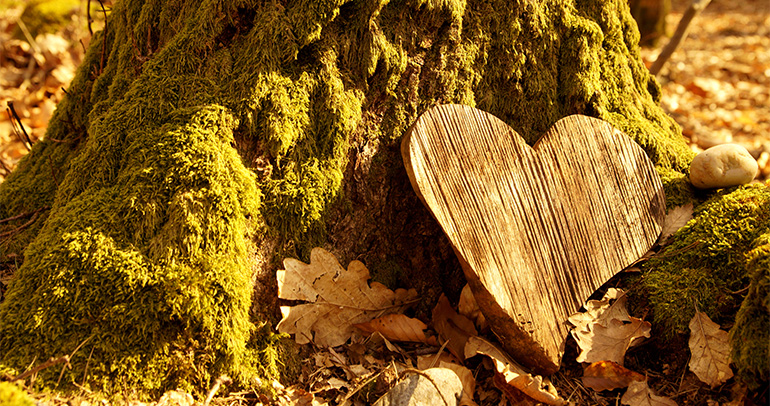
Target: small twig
(104, 39)
(740, 291)
(88, 15)
(83, 388)
(37, 55)
(67, 364)
(438, 354)
(224, 379)
(368, 309)
(362, 385)
(85, 372)
(16, 120)
(22, 215)
(51, 362)
(9, 234)
(677, 252)
(53, 174)
(681, 32)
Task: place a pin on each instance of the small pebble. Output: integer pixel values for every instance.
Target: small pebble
(723, 166)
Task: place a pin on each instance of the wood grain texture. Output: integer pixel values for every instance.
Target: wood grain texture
(537, 230)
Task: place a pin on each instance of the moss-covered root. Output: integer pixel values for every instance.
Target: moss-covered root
(750, 337)
(724, 249)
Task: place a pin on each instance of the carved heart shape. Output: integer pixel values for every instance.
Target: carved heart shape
(537, 229)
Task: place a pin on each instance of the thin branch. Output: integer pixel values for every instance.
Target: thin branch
(680, 34)
(53, 173)
(16, 120)
(429, 378)
(88, 15)
(104, 39)
(362, 385)
(22, 215)
(214, 388)
(67, 365)
(85, 372)
(8, 234)
(51, 362)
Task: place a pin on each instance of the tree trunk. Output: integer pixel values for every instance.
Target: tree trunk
(201, 142)
(650, 16)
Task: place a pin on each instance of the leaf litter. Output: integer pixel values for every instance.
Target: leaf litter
(338, 299)
(717, 83)
(710, 351)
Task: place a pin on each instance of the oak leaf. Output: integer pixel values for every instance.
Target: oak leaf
(468, 307)
(605, 331)
(338, 299)
(536, 387)
(452, 327)
(710, 349)
(467, 379)
(639, 394)
(448, 361)
(675, 219)
(398, 327)
(608, 375)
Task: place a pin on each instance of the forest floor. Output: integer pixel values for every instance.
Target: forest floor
(716, 86)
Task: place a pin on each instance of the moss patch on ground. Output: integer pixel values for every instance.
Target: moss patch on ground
(750, 337)
(718, 263)
(193, 127)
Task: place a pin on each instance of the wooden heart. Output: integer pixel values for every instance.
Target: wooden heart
(537, 230)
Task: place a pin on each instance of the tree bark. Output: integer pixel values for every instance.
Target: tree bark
(201, 142)
(650, 16)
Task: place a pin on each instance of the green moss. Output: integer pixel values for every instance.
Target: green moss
(144, 257)
(721, 252)
(144, 252)
(709, 266)
(677, 187)
(750, 337)
(12, 395)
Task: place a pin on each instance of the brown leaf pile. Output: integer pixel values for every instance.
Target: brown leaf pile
(717, 83)
(35, 70)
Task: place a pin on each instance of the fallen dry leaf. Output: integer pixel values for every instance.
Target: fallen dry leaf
(467, 379)
(295, 396)
(468, 307)
(377, 339)
(605, 331)
(710, 349)
(453, 328)
(596, 309)
(716, 85)
(639, 394)
(339, 298)
(398, 327)
(675, 219)
(536, 387)
(608, 375)
(610, 343)
(432, 360)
